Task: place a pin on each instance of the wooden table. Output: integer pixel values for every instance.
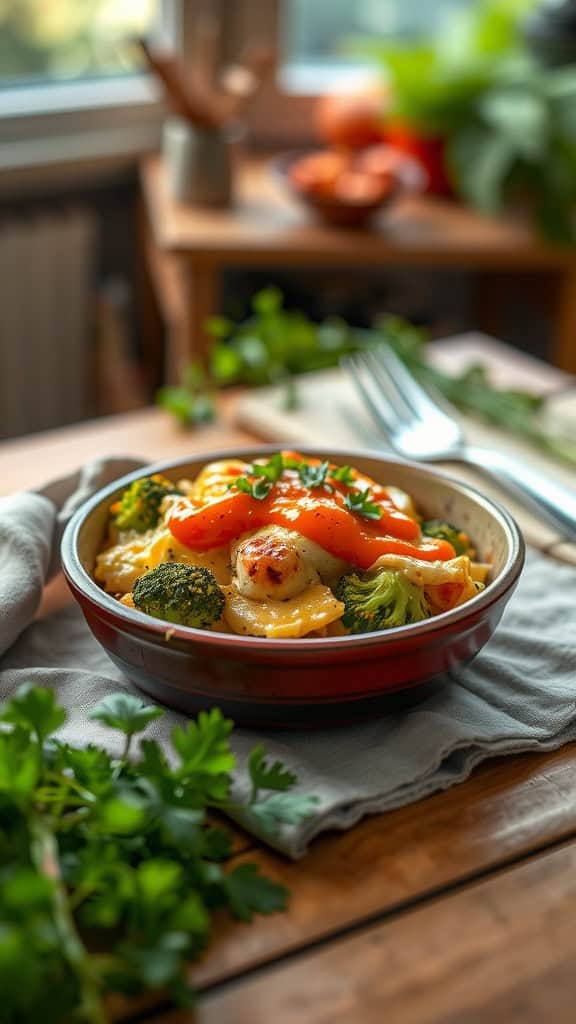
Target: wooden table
(187, 249)
(455, 910)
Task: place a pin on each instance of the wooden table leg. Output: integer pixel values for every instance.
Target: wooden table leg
(196, 290)
(564, 341)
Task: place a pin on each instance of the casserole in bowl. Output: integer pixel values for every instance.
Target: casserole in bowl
(311, 680)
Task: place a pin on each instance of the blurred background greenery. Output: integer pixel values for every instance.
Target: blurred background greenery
(64, 39)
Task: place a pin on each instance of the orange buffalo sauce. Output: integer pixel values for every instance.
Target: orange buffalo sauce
(316, 514)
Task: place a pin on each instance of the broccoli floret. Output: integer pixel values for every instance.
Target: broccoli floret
(380, 601)
(139, 507)
(188, 595)
(445, 531)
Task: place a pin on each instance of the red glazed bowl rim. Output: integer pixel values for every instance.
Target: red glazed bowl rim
(81, 581)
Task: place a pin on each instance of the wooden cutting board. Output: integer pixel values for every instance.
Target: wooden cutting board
(330, 413)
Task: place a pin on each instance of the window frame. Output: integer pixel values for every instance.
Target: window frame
(45, 128)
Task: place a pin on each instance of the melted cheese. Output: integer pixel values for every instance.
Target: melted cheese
(119, 566)
(213, 481)
(308, 612)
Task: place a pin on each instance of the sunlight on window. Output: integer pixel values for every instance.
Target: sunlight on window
(320, 33)
(70, 39)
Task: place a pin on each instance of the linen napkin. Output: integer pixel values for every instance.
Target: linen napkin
(518, 695)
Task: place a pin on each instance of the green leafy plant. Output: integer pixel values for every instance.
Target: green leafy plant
(518, 412)
(518, 146)
(119, 849)
(435, 80)
(508, 124)
(191, 402)
(275, 343)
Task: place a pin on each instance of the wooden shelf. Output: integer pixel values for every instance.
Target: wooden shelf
(267, 228)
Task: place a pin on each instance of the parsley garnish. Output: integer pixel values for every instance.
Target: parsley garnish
(344, 475)
(271, 470)
(120, 848)
(359, 502)
(313, 476)
(258, 489)
(268, 473)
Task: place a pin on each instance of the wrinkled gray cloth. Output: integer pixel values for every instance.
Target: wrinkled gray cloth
(518, 695)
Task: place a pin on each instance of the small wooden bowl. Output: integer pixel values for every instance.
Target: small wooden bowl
(408, 178)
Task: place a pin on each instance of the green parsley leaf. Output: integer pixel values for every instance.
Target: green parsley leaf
(282, 809)
(249, 892)
(91, 767)
(271, 470)
(359, 502)
(123, 847)
(203, 745)
(20, 764)
(268, 776)
(124, 712)
(313, 476)
(343, 474)
(258, 489)
(241, 483)
(34, 708)
(261, 489)
(187, 407)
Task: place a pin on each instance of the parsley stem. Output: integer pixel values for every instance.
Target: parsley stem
(44, 850)
(127, 745)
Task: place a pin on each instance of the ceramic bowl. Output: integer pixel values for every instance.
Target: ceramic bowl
(306, 682)
(409, 179)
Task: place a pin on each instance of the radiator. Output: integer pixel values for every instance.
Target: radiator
(47, 288)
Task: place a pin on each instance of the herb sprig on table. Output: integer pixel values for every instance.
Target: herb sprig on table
(119, 849)
(274, 345)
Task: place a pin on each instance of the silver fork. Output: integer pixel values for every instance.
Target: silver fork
(418, 427)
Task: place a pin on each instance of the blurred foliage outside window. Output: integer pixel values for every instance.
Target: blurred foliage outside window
(69, 39)
(321, 32)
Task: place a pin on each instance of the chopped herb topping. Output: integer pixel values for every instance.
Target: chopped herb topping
(344, 475)
(313, 476)
(258, 489)
(359, 502)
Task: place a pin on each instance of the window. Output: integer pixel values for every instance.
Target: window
(320, 40)
(72, 89)
(59, 40)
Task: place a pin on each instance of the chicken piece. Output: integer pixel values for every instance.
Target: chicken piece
(268, 566)
(274, 563)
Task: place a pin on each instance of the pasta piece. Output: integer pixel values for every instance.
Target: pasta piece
(118, 567)
(479, 571)
(402, 500)
(315, 608)
(213, 481)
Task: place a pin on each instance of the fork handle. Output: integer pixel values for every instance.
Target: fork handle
(550, 500)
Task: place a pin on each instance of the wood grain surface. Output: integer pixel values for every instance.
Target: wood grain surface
(506, 809)
(266, 223)
(150, 434)
(502, 951)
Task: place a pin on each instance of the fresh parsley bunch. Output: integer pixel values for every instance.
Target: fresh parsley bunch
(110, 869)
